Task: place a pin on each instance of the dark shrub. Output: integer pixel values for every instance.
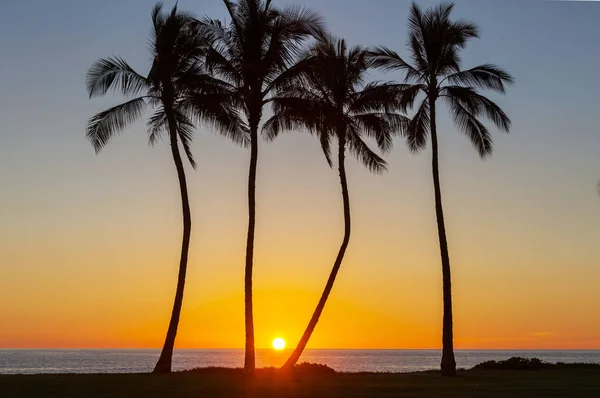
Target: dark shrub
(519, 363)
(213, 370)
(313, 368)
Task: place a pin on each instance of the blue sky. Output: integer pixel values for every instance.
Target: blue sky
(550, 48)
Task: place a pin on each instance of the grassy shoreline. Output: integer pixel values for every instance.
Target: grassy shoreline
(475, 383)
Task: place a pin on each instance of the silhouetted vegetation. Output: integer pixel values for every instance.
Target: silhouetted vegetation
(304, 368)
(519, 363)
(312, 368)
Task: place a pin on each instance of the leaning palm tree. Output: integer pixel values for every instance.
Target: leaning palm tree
(434, 44)
(330, 98)
(252, 53)
(182, 93)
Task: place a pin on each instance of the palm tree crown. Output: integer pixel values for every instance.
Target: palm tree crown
(177, 80)
(434, 44)
(327, 94)
(253, 51)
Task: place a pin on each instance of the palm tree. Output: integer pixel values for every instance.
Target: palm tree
(434, 44)
(252, 54)
(330, 98)
(176, 50)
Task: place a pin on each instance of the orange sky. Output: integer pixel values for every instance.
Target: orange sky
(84, 277)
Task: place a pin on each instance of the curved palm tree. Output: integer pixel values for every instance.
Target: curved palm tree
(182, 93)
(434, 44)
(330, 98)
(252, 53)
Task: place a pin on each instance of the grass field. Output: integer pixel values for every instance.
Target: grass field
(473, 383)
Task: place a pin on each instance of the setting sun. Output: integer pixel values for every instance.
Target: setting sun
(279, 344)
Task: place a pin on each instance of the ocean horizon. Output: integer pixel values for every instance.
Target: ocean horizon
(98, 360)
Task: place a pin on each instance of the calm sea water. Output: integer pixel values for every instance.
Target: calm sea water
(121, 361)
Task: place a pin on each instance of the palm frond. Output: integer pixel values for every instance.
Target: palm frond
(417, 20)
(218, 62)
(418, 54)
(104, 125)
(157, 16)
(486, 76)
(197, 80)
(408, 95)
(387, 60)
(223, 53)
(442, 11)
(287, 34)
(185, 133)
(476, 104)
(301, 22)
(114, 73)
(376, 96)
(448, 60)
(219, 111)
(418, 33)
(292, 76)
(468, 123)
(157, 126)
(231, 9)
(461, 32)
(325, 141)
(361, 151)
(300, 114)
(381, 126)
(290, 113)
(419, 128)
(356, 67)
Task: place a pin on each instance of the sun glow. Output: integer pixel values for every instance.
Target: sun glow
(278, 344)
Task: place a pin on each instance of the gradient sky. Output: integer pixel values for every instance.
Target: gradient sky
(89, 244)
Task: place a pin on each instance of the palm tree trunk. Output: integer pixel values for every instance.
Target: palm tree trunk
(249, 358)
(295, 356)
(448, 365)
(164, 362)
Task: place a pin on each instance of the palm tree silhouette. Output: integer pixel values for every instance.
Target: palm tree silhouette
(434, 44)
(251, 54)
(182, 93)
(329, 97)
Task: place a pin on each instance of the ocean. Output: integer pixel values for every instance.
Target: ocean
(31, 361)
